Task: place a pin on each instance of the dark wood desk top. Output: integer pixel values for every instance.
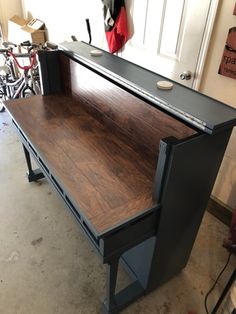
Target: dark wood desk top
(107, 178)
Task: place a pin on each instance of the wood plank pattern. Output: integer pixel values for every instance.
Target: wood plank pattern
(100, 142)
(140, 122)
(107, 178)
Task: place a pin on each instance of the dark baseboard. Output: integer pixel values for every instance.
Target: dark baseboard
(220, 211)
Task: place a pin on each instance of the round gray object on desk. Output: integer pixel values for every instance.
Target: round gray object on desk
(166, 85)
(96, 53)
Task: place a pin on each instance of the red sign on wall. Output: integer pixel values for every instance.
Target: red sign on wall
(228, 61)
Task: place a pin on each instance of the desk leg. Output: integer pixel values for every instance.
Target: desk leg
(33, 175)
(115, 302)
(109, 305)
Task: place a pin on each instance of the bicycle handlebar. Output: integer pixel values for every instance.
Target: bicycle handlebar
(31, 55)
(26, 43)
(25, 67)
(7, 44)
(4, 50)
(23, 55)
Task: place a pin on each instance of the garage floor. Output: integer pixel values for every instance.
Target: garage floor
(47, 266)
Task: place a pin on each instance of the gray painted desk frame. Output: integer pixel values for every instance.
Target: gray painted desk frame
(155, 245)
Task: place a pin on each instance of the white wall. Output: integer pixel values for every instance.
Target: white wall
(223, 89)
(8, 8)
(66, 18)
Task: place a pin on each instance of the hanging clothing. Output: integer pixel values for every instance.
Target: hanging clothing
(116, 26)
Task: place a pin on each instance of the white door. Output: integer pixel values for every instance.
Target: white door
(169, 35)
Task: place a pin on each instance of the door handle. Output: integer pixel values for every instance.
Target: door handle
(186, 75)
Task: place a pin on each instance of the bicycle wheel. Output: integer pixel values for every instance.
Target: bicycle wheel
(37, 87)
(2, 97)
(28, 92)
(2, 108)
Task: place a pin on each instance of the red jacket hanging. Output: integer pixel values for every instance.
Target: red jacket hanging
(116, 27)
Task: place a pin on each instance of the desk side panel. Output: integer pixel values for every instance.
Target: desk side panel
(49, 69)
(191, 170)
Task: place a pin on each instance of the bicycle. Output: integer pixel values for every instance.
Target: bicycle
(27, 83)
(17, 80)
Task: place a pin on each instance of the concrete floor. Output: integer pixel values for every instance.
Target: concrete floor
(47, 266)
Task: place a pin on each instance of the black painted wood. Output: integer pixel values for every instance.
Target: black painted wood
(187, 183)
(192, 169)
(49, 71)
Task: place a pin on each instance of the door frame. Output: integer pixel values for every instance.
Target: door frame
(205, 43)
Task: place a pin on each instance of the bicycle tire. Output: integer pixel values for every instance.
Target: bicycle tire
(2, 97)
(37, 88)
(28, 92)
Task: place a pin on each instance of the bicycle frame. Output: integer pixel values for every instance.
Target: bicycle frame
(18, 87)
(11, 85)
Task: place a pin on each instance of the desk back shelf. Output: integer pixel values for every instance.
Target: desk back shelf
(136, 177)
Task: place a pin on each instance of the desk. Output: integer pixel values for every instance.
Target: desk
(135, 169)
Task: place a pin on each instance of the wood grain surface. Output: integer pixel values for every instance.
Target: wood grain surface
(107, 178)
(100, 142)
(141, 123)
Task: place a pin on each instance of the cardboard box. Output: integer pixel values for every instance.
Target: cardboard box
(36, 24)
(20, 30)
(37, 37)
